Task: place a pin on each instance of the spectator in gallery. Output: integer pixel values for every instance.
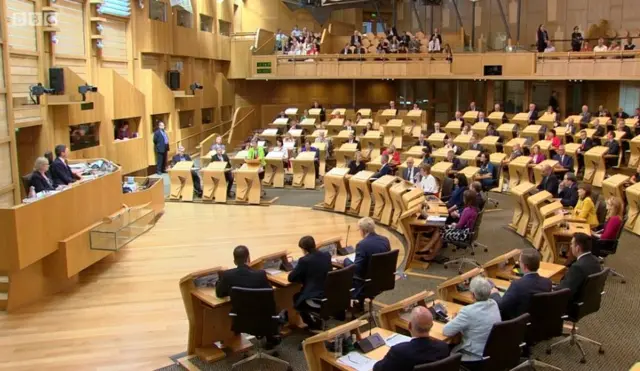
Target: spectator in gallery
(576, 39)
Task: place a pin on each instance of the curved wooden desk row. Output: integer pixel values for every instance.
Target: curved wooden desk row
(46, 243)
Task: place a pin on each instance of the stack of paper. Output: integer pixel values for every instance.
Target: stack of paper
(357, 361)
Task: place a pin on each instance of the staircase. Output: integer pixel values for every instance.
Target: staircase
(4, 291)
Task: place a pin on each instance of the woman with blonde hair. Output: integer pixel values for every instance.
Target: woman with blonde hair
(611, 227)
(585, 208)
(40, 181)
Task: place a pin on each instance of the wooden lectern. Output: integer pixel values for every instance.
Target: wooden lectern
(571, 150)
(345, 154)
(490, 143)
(535, 202)
(470, 117)
(594, 165)
(531, 133)
(360, 190)
(496, 118)
(392, 132)
(480, 129)
(439, 154)
(521, 119)
(547, 119)
(304, 170)
(501, 268)
(387, 115)
(519, 171)
(453, 128)
(508, 147)
(634, 146)
(309, 124)
(556, 229)
(450, 291)
(521, 214)
(365, 112)
(214, 182)
(404, 197)
(334, 126)
(341, 138)
(370, 144)
(507, 131)
(633, 200)
(181, 181)
(322, 156)
(248, 187)
(382, 205)
(336, 189)
(440, 170)
(274, 170)
(291, 112)
(462, 141)
(537, 169)
(437, 140)
(614, 186)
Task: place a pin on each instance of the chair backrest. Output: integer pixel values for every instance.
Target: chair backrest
(254, 311)
(590, 295)
(601, 209)
(337, 292)
(447, 187)
(604, 248)
(451, 363)
(26, 182)
(503, 347)
(476, 227)
(381, 273)
(547, 311)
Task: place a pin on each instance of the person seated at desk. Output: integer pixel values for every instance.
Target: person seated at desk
(585, 209)
(295, 125)
(422, 141)
(493, 132)
(371, 243)
(421, 350)
(317, 105)
(475, 143)
(255, 152)
(621, 126)
(437, 129)
(307, 148)
(460, 184)
(426, 156)
(611, 227)
(181, 156)
(614, 149)
(481, 118)
(636, 177)
(585, 145)
(411, 174)
(568, 190)
(549, 181)
(563, 159)
(621, 114)
(474, 322)
(311, 272)
(122, 132)
(221, 156)
(532, 114)
(218, 144)
(457, 117)
(600, 130)
(352, 140)
(385, 169)
(517, 298)
(536, 154)
(358, 118)
(393, 154)
(516, 152)
(585, 117)
(348, 126)
(40, 180)
(466, 129)
(486, 172)
(323, 139)
(554, 139)
(61, 173)
(570, 130)
(428, 182)
(584, 265)
(451, 158)
(356, 165)
(450, 146)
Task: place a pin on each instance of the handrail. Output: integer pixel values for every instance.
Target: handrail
(237, 122)
(589, 54)
(356, 57)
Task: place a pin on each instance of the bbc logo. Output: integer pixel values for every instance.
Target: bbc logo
(25, 19)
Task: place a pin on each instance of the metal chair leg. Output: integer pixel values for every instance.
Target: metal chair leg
(614, 273)
(574, 339)
(534, 364)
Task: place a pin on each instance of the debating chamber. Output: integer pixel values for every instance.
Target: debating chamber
(355, 185)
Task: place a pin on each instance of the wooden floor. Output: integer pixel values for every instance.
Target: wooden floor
(127, 313)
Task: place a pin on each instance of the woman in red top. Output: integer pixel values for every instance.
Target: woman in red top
(555, 141)
(394, 156)
(537, 155)
(609, 230)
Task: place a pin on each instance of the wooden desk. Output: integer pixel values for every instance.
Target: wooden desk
(535, 202)
(387, 115)
(370, 144)
(270, 135)
(441, 170)
(374, 165)
(345, 154)
(339, 112)
(633, 213)
(470, 117)
(547, 119)
(508, 147)
(449, 290)
(214, 182)
(463, 141)
(470, 156)
(248, 186)
(309, 124)
(401, 195)
(470, 173)
(411, 224)
(634, 146)
(501, 267)
(291, 112)
(507, 131)
(559, 228)
(340, 138)
(392, 132)
(414, 151)
(537, 169)
(274, 170)
(521, 213)
(382, 205)
(181, 181)
(436, 140)
(521, 119)
(365, 112)
(439, 154)
(595, 167)
(304, 170)
(411, 130)
(490, 143)
(544, 211)
(614, 186)
(531, 133)
(571, 149)
(316, 133)
(314, 113)
(453, 128)
(497, 159)
(238, 160)
(545, 147)
(322, 149)
(336, 189)
(496, 118)
(334, 126)
(519, 171)
(360, 188)
(414, 117)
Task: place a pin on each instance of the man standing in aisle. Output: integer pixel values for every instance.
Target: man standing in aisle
(161, 148)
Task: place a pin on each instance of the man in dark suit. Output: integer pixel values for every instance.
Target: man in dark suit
(481, 117)
(569, 190)
(582, 267)
(181, 156)
(563, 159)
(457, 164)
(621, 114)
(352, 140)
(532, 114)
(356, 39)
(61, 173)
(517, 298)
(458, 116)
(220, 156)
(411, 172)
(585, 145)
(422, 141)
(241, 276)
(549, 181)
(422, 349)
(371, 243)
(475, 143)
(311, 271)
(585, 117)
(385, 169)
(161, 148)
(614, 149)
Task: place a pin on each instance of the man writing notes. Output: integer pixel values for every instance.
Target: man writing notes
(311, 271)
(161, 148)
(61, 173)
(420, 350)
(517, 298)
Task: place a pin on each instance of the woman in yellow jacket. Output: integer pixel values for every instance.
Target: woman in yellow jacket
(585, 209)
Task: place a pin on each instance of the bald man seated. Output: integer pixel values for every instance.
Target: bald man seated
(419, 351)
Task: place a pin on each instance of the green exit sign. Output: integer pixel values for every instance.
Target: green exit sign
(263, 67)
(263, 64)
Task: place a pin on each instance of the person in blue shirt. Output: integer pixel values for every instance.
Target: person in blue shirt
(486, 173)
(461, 184)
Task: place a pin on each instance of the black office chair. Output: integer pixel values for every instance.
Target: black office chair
(468, 246)
(337, 295)
(504, 345)
(26, 182)
(603, 248)
(546, 322)
(446, 189)
(254, 313)
(495, 182)
(590, 298)
(380, 277)
(451, 363)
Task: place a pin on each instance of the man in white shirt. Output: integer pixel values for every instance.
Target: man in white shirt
(601, 47)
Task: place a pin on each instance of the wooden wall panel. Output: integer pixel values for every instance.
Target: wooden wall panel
(154, 62)
(114, 38)
(6, 178)
(21, 36)
(71, 38)
(6, 199)
(122, 68)
(77, 65)
(24, 73)
(4, 126)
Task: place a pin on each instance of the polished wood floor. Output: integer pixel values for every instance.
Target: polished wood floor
(127, 314)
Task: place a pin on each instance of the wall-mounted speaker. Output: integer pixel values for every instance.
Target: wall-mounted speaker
(56, 80)
(173, 79)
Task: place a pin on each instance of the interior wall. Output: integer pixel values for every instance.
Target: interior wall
(272, 15)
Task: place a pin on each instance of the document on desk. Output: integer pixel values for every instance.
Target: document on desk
(357, 361)
(272, 271)
(351, 257)
(436, 219)
(396, 339)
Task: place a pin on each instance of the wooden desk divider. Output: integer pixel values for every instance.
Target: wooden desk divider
(531, 133)
(239, 159)
(336, 189)
(614, 186)
(214, 182)
(594, 165)
(496, 118)
(571, 150)
(365, 112)
(392, 132)
(370, 144)
(480, 129)
(463, 141)
(309, 124)
(547, 120)
(360, 190)
(387, 115)
(453, 128)
(209, 320)
(507, 131)
(497, 159)
(304, 171)
(537, 169)
(274, 170)
(335, 126)
(339, 139)
(508, 146)
(291, 112)
(395, 317)
(248, 186)
(448, 290)
(436, 140)
(545, 147)
(322, 149)
(521, 214)
(519, 171)
(545, 211)
(181, 181)
(470, 117)
(339, 112)
(345, 154)
(319, 358)
(490, 143)
(521, 119)
(382, 204)
(535, 202)
(633, 213)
